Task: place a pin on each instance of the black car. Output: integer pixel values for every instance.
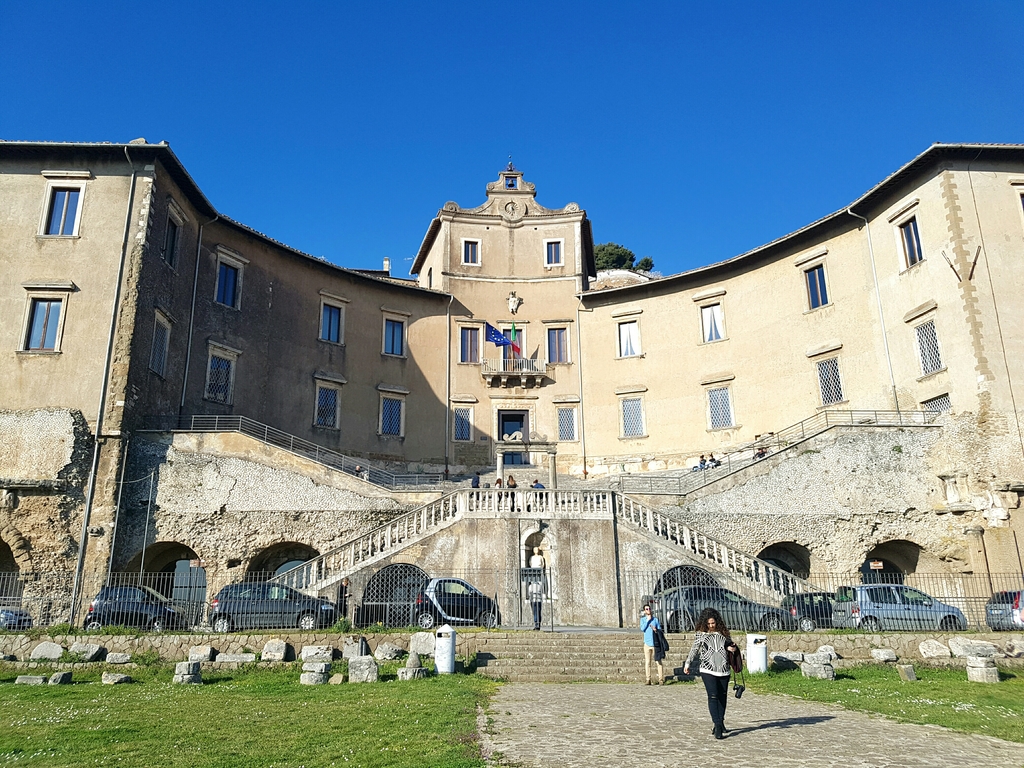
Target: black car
(133, 607)
(810, 609)
(256, 605)
(1005, 610)
(454, 601)
(14, 618)
(679, 608)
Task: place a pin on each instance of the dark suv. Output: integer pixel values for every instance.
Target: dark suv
(1005, 610)
(133, 607)
(680, 607)
(810, 609)
(255, 605)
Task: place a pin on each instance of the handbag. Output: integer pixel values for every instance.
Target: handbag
(735, 660)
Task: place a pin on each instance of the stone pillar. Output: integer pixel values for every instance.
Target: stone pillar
(552, 470)
(500, 463)
(979, 560)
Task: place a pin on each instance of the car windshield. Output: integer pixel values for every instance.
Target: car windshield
(153, 595)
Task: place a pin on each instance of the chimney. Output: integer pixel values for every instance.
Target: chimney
(387, 266)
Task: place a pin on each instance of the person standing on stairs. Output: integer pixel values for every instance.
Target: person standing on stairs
(713, 643)
(650, 626)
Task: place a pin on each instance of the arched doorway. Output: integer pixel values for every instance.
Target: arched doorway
(278, 558)
(170, 568)
(684, 576)
(788, 556)
(390, 596)
(10, 577)
(890, 562)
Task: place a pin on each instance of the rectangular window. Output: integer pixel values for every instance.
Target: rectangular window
(928, 348)
(940, 404)
(161, 339)
(566, 424)
(220, 379)
(553, 253)
(469, 349)
(326, 407)
(227, 284)
(330, 323)
(470, 251)
(558, 345)
(391, 416)
(629, 339)
(62, 213)
(43, 324)
(817, 293)
(829, 382)
(171, 236)
(911, 239)
(719, 408)
(394, 337)
(463, 425)
(713, 329)
(632, 417)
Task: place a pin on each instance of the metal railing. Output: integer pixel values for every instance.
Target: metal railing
(518, 365)
(680, 483)
(266, 434)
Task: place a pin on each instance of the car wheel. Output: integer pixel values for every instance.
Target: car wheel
(307, 622)
(951, 624)
(222, 625)
(870, 624)
(158, 625)
(93, 624)
(487, 619)
(426, 620)
(807, 624)
(771, 622)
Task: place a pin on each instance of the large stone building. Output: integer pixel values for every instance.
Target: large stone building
(129, 307)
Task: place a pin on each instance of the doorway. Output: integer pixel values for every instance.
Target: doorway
(514, 423)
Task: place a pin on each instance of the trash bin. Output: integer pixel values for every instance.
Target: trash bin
(757, 653)
(444, 650)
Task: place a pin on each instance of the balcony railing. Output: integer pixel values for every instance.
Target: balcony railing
(517, 367)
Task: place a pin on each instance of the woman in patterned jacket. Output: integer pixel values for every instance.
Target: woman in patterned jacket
(712, 644)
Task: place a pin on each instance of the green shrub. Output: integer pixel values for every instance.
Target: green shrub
(147, 658)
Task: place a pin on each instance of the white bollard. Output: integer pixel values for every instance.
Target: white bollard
(444, 650)
(757, 653)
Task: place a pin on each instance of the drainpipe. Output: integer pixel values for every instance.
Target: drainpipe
(91, 490)
(448, 385)
(878, 298)
(579, 371)
(192, 314)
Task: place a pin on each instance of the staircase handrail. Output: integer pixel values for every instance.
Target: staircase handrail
(773, 442)
(360, 468)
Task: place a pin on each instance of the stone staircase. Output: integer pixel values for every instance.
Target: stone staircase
(553, 657)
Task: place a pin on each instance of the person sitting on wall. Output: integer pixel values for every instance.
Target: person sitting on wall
(537, 485)
(702, 464)
(475, 482)
(713, 462)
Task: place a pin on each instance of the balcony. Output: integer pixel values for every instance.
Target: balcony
(518, 372)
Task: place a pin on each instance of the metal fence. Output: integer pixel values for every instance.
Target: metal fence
(682, 482)
(266, 434)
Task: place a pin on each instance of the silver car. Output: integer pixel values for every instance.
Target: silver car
(875, 607)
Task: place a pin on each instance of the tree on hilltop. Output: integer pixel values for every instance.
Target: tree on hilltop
(615, 256)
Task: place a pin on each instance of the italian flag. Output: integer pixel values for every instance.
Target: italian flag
(514, 338)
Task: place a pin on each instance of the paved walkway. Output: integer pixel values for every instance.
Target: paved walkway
(599, 725)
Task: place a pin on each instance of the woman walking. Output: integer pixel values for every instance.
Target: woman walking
(712, 644)
(649, 624)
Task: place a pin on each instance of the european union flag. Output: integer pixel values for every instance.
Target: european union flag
(495, 336)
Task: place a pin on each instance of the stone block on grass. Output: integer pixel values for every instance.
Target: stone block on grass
(982, 675)
(30, 680)
(388, 652)
(201, 653)
(818, 671)
(187, 668)
(187, 679)
(118, 658)
(46, 652)
(87, 651)
(883, 654)
(324, 653)
(320, 667)
(362, 669)
(313, 678)
(817, 658)
(60, 678)
(238, 658)
(337, 678)
(829, 650)
(906, 672)
(965, 646)
(980, 661)
(276, 650)
(933, 649)
(114, 678)
(355, 646)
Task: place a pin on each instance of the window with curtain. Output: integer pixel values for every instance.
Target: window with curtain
(629, 338)
(712, 323)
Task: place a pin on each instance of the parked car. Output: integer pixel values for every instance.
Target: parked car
(1004, 610)
(14, 618)
(133, 607)
(254, 605)
(874, 607)
(679, 608)
(810, 609)
(454, 601)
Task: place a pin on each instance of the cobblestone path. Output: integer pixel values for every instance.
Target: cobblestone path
(598, 725)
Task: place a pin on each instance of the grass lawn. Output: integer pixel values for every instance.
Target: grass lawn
(240, 719)
(939, 697)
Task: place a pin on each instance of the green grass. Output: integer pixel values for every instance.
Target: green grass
(938, 697)
(241, 719)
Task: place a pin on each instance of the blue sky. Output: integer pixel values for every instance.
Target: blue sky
(689, 132)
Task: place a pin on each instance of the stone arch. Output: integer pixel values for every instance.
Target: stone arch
(171, 568)
(390, 596)
(11, 541)
(537, 534)
(790, 556)
(899, 558)
(278, 558)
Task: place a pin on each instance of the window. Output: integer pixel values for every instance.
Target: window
(161, 339)
(392, 421)
(713, 329)
(829, 382)
(469, 345)
(326, 414)
(629, 339)
(394, 337)
(719, 408)
(331, 323)
(558, 345)
(911, 239)
(940, 404)
(817, 293)
(566, 424)
(928, 348)
(227, 284)
(632, 417)
(220, 377)
(463, 431)
(44, 325)
(470, 251)
(171, 236)
(63, 211)
(553, 253)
